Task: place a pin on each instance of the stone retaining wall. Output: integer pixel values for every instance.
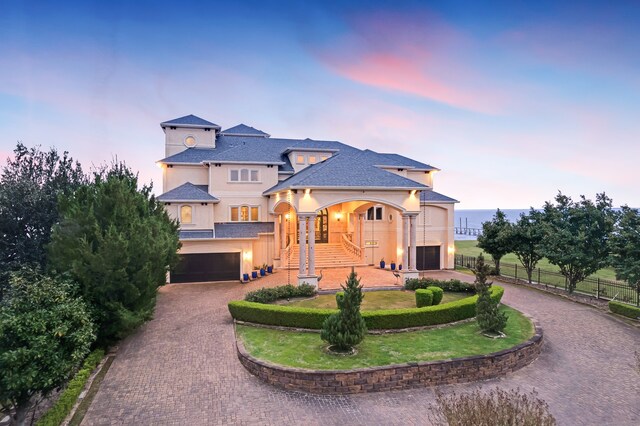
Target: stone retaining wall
(395, 377)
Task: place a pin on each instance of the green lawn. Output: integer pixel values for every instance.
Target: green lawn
(469, 248)
(306, 350)
(374, 300)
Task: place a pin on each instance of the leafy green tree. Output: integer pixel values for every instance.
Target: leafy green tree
(489, 318)
(346, 328)
(45, 333)
(625, 247)
(577, 235)
(30, 184)
(525, 240)
(117, 242)
(495, 238)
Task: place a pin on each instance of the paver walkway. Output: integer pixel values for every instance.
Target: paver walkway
(181, 368)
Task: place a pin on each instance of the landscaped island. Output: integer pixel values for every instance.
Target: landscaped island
(406, 346)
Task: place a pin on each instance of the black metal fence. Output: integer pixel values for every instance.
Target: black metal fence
(596, 287)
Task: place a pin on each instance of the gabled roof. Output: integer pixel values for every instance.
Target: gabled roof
(399, 161)
(244, 130)
(188, 192)
(346, 171)
(431, 196)
(189, 121)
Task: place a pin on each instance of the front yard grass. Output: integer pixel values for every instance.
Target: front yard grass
(306, 350)
(373, 300)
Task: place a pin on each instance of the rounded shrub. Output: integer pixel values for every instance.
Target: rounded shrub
(624, 309)
(451, 285)
(291, 316)
(424, 297)
(438, 294)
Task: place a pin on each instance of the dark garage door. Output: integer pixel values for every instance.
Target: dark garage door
(200, 267)
(428, 258)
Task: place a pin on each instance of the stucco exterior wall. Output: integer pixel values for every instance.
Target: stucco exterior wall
(174, 139)
(179, 175)
(202, 216)
(438, 231)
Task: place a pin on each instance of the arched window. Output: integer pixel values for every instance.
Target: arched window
(186, 214)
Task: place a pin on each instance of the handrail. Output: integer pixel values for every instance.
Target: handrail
(286, 250)
(351, 248)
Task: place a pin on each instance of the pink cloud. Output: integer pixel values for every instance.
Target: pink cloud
(417, 54)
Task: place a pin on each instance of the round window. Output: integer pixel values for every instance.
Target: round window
(190, 141)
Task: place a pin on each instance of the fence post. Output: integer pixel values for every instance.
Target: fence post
(565, 283)
(598, 291)
(516, 272)
(545, 284)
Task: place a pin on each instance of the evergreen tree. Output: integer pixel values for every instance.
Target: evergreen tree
(489, 318)
(495, 238)
(625, 247)
(346, 328)
(30, 184)
(117, 242)
(526, 238)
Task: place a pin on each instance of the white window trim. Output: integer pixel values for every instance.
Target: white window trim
(249, 170)
(239, 207)
(366, 217)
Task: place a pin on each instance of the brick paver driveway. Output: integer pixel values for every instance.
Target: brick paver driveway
(181, 368)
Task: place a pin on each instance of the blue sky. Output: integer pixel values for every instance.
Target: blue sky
(512, 100)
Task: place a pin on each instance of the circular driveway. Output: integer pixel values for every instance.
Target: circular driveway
(181, 368)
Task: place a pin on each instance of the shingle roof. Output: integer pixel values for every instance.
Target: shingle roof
(189, 120)
(188, 192)
(346, 171)
(397, 160)
(431, 196)
(242, 230)
(189, 235)
(244, 130)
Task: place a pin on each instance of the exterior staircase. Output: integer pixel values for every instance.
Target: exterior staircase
(327, 256)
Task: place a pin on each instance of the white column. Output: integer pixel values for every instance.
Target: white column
(276, 235)
(361, 231)
(312, 245)
(303, 245)
(405, 242)
(412, 242)
(283, 231)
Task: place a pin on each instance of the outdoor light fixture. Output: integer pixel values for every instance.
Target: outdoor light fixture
(247, 255)
(338, 216)
(287, 216)
(307, 191)
(413, 192)
(399, 252)
(451, 250)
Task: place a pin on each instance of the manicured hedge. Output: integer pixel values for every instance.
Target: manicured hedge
(59, 411)
(290, 316)
(451, 285)
(271, 294)
(624, 309)
(424, 297)
(438, 294)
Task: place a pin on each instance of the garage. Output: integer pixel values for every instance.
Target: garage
(202, 267)
(427, 258)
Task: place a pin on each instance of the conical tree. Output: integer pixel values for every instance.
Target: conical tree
(489, 318)
(346, 328)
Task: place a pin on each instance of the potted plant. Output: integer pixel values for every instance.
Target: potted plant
(382, 264)
(393, 265)
(245, 278)
(270, 269)
(254, 273)
(263, 270)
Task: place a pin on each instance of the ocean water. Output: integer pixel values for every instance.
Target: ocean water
(474, 219)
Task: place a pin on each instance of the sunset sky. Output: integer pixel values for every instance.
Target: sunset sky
(513, 100)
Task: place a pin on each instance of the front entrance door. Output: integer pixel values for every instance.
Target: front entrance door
(321, 227)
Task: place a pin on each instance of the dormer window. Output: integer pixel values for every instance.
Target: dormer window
(323, 157)
(186, 214)
(299, 159)
(244, 175)
(312, 159)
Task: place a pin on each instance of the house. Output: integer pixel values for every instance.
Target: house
(245, 198)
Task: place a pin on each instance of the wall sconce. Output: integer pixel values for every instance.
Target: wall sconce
(247, 255)
(287, 216)
(451, 250)
(338, 216)
(399, 253)
(413, 192)
(307, 191)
